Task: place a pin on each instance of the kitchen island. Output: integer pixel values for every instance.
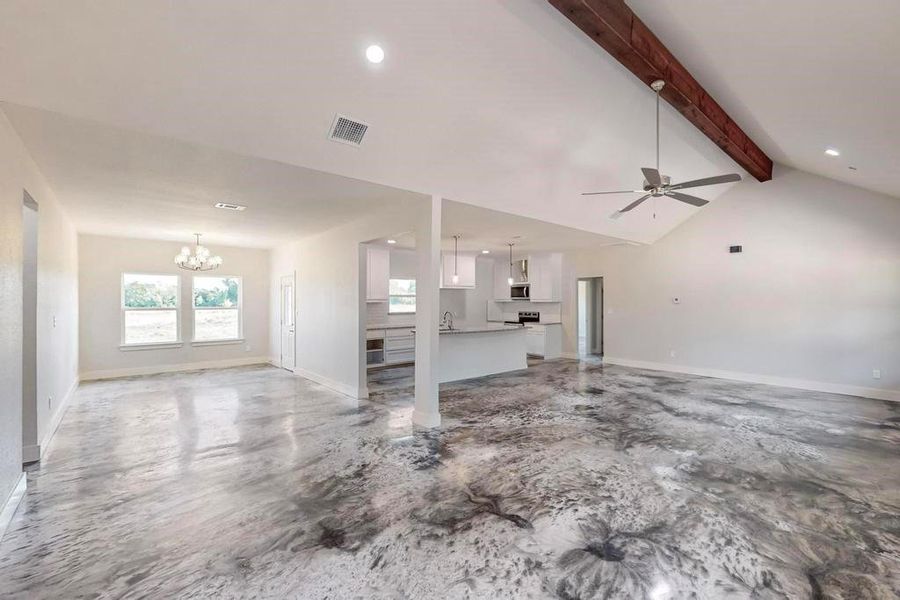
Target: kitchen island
(475, 351)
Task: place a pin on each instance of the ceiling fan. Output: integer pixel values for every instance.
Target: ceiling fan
(657, 184)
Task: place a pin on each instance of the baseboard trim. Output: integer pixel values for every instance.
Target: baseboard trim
(157, 369)
(47, 443)
(801, 384)
(12, 503)
(572, 355)
(347, 390)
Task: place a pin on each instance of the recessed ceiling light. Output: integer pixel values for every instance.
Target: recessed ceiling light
(375, 54)
(228, 206)
(485, 251)
(832, 152)
(392, 241)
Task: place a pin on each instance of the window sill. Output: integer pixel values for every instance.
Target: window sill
(218, 342)
(157, 346)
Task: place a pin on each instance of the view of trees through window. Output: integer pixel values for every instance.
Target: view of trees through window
(217, 308)
(401, 296)
(150, 305)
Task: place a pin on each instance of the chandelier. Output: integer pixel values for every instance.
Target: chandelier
(200, 261)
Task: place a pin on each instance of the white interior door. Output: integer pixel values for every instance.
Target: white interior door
(288, 317)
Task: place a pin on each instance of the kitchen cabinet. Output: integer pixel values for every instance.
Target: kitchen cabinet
(501, 281)
(392, 346)
(378, 273)
(465, 268)
(545, 277)
(399, 346)
(544, 340)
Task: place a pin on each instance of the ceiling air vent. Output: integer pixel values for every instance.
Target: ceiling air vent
(348, 131)
(228, 206)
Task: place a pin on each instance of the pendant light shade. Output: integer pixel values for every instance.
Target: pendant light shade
(455, 278)
(510, 279)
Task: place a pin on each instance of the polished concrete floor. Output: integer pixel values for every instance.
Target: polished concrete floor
(568, 480)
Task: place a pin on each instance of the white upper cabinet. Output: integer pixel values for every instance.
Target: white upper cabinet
(465, 268)
(501, 281)
(545, 277)
(378, 273)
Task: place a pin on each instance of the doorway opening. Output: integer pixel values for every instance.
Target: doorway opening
(30, 447)
(590, 316)
(288, 322)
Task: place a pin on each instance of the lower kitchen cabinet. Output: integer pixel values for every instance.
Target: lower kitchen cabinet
(544, 340)
(391, 347)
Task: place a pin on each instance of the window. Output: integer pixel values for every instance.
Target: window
(149, 309)
(217, 309)
(402, 296)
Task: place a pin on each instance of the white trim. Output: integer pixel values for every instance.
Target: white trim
(61, 409)
(36, 452)
(219, 342)
(153, 370)
(348, 390)
(802, 384)
(155, 346)
(12, 503)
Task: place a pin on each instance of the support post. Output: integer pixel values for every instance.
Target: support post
(428, 307)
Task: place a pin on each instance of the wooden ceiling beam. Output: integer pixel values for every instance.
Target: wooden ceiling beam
(616, 29)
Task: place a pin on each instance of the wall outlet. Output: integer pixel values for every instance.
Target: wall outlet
(876, 373)
(671, 354)
(54, 321)
(247, 348)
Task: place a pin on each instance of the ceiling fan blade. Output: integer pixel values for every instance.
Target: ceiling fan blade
(652, 176)
(616, 215)
(706, 181)
(634, 204)
(620, 192)
(692, 200)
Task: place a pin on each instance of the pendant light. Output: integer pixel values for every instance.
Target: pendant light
(510, 279)
(455, 278)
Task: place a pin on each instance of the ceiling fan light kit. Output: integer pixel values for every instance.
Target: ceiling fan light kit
(657, 185)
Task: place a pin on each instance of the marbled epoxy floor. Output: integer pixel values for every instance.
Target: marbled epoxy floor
(567, 480)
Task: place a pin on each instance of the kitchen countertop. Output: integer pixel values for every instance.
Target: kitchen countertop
(526, 324)
(386, 326)
(481, 329)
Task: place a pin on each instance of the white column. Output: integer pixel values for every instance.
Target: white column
(428, 306)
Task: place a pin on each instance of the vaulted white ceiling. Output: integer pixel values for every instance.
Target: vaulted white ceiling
(798, 76)
(499, 104)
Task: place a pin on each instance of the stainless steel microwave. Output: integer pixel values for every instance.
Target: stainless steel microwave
(520, 291)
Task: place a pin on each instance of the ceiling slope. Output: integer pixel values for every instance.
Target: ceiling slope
(799, 76)
(616, 29)
(504, 105)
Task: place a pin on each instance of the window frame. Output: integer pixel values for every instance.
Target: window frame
(390, 295)
(125, 345)
(239, 308)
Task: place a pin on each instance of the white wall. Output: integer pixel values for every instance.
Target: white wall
(813, 300)
(103, 260)
(57, 347)
(331, 307)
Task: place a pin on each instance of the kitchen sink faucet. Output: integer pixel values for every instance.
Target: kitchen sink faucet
(447, 320)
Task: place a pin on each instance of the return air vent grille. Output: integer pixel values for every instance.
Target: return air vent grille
(348, 131)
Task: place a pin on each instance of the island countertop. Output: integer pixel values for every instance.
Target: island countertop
(487, 328)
